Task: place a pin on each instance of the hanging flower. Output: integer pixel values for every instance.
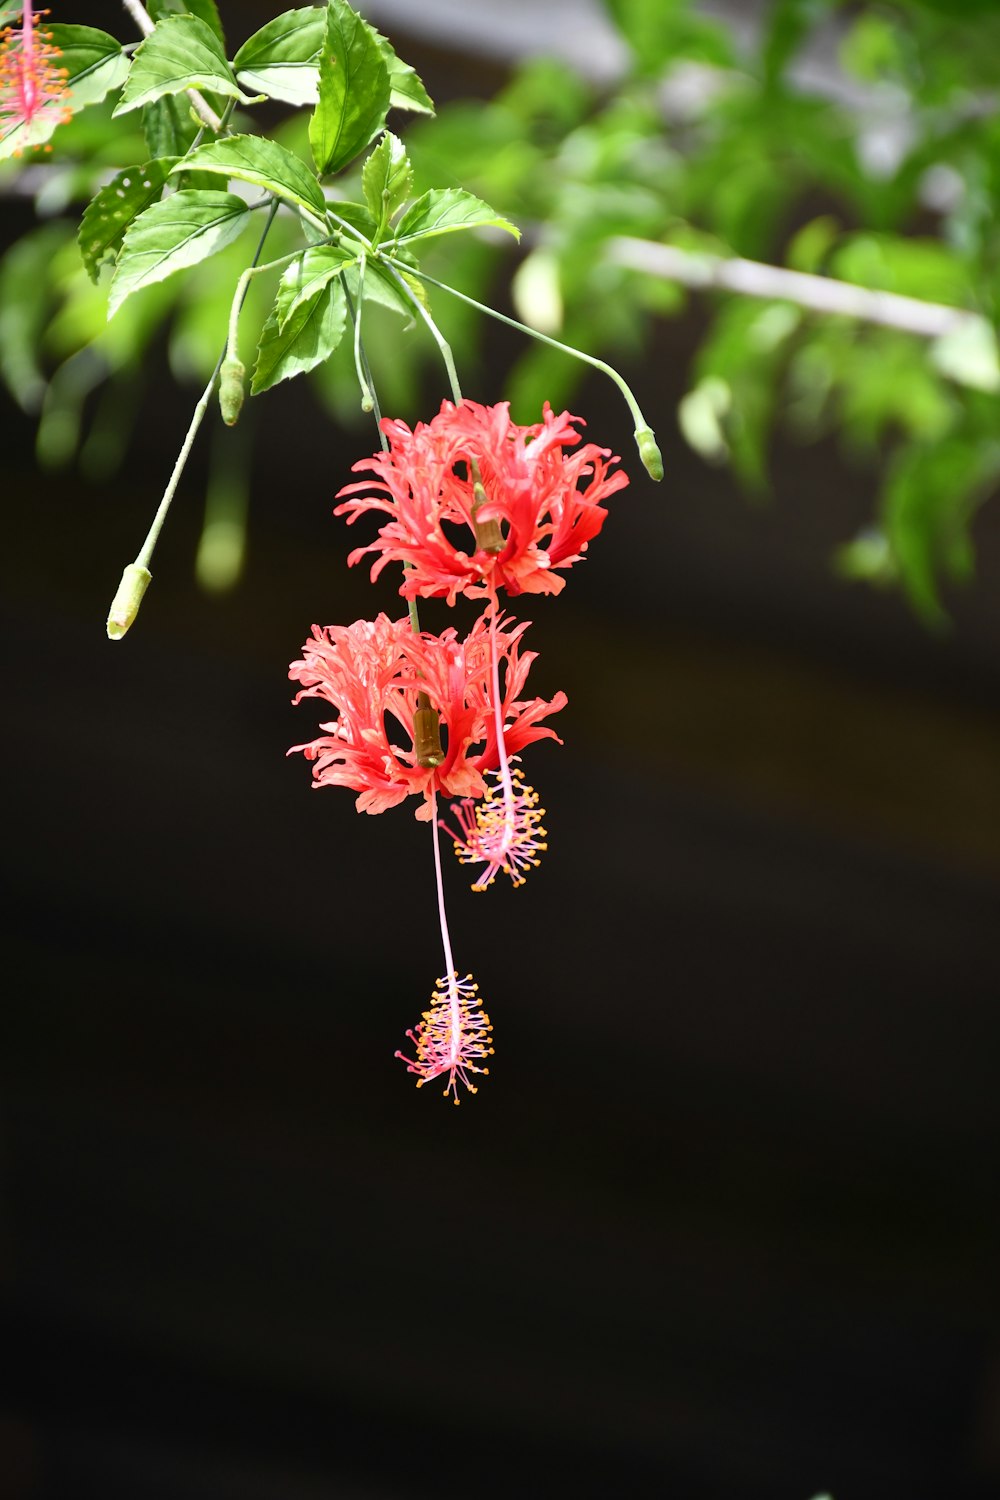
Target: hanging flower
(454, 1036)
(31, 80)
(476, 503)
(380, 675)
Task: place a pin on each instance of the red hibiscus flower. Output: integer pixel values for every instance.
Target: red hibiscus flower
(378, 674)
(476, 503)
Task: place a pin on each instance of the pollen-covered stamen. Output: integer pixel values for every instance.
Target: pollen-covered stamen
(500, 832)
(453, 1037)
(30, 77)
(504, 830)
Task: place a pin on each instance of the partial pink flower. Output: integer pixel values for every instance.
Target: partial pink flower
(31, 79)
(378, 673)
(542, 492)
(502, 831)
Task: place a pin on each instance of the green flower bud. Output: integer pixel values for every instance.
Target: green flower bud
(125, 605)
(652, 459)
(231, 378)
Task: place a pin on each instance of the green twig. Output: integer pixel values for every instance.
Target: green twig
(435, 332)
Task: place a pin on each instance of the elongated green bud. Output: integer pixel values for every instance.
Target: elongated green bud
(231, 378)
(125, 605)
(652, 459)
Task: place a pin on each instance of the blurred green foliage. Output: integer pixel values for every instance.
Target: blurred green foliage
(860, 142)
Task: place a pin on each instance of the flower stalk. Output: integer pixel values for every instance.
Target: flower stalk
(116, 626)
(649, 453)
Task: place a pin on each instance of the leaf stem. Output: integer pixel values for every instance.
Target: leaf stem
(223, 127)
(367, 395)
(435, 332)
(350, 229)
(243, 286)
(361, 359)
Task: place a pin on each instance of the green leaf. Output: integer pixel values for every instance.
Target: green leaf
(867, 558)
(813, 242)
(206, 10)
(281, 60)
(914, 266)
(169, 125)
(649, 27)
(181, 231)
(181, 53)
(701, 416)
(252, 158)
(308, 337)
(306, 277)
(929, 502)
(353, 90)
(968, 354)
(661, 31)
(26, 304)
(786, 28)
(95, 64)
(387, 178)
(873, 48)
(110, 213)
(405, 89)
(445, 210)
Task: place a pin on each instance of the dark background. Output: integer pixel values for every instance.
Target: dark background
(722, 1222)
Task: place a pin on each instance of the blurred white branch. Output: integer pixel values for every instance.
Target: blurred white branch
(822, 294)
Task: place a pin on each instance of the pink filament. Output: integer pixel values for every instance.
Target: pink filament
(510, 836)
(455, 1031)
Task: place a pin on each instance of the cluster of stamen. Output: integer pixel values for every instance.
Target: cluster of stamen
(502, 831)
(30, 78)
(453, 1034)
